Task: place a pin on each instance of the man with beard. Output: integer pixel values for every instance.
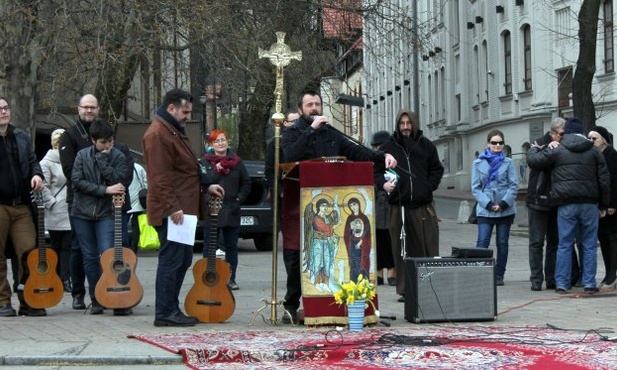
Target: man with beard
(74, 139)
(174, 190)
(411, 198)
(310, 137)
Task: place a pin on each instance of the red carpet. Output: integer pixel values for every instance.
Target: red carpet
(416, 347)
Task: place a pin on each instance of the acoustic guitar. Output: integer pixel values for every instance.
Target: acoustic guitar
(118, 287)
(210, 299)
(43, 287)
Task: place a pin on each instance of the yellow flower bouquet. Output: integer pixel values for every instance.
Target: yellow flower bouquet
(351, 291)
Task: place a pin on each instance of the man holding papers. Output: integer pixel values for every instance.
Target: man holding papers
(174, 190)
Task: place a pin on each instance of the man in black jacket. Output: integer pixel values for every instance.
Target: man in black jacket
(580, 188)
(310, 137)
(411, 197)
(20, 173)
(74, 139)
(542, 217)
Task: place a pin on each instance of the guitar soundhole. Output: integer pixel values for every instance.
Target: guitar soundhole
(118, 267)
(42, 267)
(210, 278)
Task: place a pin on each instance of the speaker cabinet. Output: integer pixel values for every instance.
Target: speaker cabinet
(450, 289)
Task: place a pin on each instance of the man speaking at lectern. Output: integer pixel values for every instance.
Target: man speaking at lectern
(311, 137)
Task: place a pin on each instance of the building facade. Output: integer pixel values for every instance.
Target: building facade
(482, 64)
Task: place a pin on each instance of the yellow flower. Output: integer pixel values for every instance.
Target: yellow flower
(353, 291)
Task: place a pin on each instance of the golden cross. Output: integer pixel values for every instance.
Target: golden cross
(280, 56)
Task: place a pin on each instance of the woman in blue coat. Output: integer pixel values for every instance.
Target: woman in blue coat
(494, 184)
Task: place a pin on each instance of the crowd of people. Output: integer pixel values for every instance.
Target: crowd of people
(571, 205)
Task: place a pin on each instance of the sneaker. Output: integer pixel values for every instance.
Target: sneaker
(29, 311)
(233, 286)
(287, 320)
(66, 284)
(96, 308)
(78, 302)
(123, 311)
(220, 253)
(499, 282)
(177, 319)
(401, 299)
(7, 311)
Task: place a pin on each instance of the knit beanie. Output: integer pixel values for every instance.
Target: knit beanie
(573, 126)
(608, 138)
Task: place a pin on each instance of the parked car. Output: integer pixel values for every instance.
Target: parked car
(255, 213)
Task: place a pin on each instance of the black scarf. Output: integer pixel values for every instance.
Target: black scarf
(164, 114)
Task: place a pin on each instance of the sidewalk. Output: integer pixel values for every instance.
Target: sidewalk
(67, 337)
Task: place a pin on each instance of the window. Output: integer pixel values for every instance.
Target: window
(486, 69)
(476, 59)
(507, 58)
(564, 86)
(443, 93)
(609, 57)
(527, 56)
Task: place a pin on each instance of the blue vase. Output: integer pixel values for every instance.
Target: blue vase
(355, 314)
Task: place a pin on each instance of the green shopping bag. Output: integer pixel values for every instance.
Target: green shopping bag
(148, 237)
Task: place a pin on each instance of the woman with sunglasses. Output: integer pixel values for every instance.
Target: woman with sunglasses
(494, 184)
(607, 227)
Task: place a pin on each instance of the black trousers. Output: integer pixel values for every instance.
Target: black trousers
(291, 258)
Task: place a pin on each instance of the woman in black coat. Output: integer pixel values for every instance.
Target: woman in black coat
(227, 170)
(607, 229)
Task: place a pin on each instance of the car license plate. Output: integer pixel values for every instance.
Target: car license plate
(247, 220)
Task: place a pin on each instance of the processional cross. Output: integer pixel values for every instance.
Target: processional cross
(280, 56)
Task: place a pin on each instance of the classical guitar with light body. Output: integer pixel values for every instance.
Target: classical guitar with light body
(43, 287)
(118, 286)
(210, 299)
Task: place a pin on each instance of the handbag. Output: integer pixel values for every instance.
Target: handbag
(473, 218)
(148, 237)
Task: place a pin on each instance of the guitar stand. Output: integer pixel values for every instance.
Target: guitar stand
(273, 317)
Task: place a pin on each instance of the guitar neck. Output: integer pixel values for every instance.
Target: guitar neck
(118, 233)
(212, 242)
(41, 233)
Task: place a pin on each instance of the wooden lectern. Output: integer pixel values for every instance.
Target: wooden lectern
(335, 230)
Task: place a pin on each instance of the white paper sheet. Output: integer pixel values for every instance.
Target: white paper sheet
(183, 233)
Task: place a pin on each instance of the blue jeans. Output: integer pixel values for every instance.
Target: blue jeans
(503, 235)
(95, 237)
(572, 218)
(230, 241)
(174, 259)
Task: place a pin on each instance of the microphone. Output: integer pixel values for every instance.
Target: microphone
(313, 118)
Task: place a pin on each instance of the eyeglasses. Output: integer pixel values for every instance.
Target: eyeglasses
(88, 107)
(496, 142)
(220, 141)
(5, 109)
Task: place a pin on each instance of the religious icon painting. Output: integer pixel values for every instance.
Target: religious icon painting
(337, 237)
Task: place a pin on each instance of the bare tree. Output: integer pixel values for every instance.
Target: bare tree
(586, 65)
